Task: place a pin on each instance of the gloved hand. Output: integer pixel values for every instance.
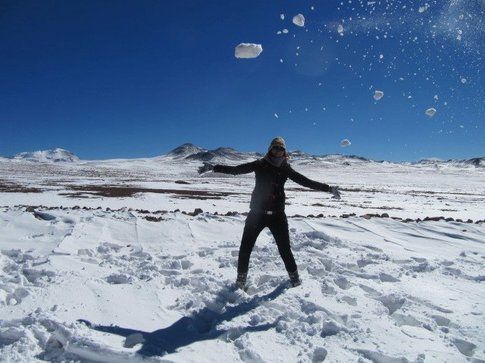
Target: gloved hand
(335, 192)
(206, 167)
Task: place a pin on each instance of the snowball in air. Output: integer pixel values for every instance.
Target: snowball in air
(340, 29)
(430, 111)
(299, 20)
(378, 95)
(345, 143)
(248, 50)
(422, 9)
(282, 16)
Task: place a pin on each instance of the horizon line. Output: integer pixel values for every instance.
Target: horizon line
(243, 152)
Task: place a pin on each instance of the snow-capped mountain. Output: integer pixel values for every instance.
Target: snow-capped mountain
(190, 151)
(342, 159)
(54, 155)
(298, 154)
(185, 150)
(478, 162)
(221, 153)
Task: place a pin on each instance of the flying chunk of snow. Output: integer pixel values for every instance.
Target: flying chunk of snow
(285, 31)
(345, 143)
(312, 7)
(248, 50)
(381, 56)
(282, 16)
(422, 9)
(276, 115)
(299, 20)
(430, 111)
(378, 95)
(340, 29)
(463, 80)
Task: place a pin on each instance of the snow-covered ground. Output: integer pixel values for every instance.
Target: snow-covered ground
(98, 266)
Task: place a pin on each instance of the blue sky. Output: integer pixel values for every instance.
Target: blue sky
(107, 79)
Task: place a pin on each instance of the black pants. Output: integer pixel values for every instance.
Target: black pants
(278, 225)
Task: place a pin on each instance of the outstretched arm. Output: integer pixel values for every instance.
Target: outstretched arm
(303, 180)
(238, 169)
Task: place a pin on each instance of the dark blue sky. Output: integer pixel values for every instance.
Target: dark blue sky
(108, 79)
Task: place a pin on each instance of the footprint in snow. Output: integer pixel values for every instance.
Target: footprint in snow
(392, 302)
(387, 278)
(342, 282)
(465, 347)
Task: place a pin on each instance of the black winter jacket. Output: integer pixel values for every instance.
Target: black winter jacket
(269, 193)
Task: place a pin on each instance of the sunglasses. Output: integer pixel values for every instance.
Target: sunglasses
(278, 148)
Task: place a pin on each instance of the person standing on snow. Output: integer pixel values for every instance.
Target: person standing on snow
(267, 207)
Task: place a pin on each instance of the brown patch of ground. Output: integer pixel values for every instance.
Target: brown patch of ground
(384, 207)
(129, 191)
(200, 197)
(413, 193)
(9, 187)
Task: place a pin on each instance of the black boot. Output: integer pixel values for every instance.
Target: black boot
(241, 280)
(294, 278)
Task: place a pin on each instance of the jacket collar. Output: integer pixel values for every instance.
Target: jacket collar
(277, 162)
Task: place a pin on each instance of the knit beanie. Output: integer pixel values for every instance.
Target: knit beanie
(277, 161)
(277, 141)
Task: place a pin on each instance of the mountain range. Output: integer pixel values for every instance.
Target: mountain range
(189, 151)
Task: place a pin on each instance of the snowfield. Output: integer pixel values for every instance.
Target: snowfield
(111, 261)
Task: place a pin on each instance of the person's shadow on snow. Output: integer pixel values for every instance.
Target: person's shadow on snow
(190, 329)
